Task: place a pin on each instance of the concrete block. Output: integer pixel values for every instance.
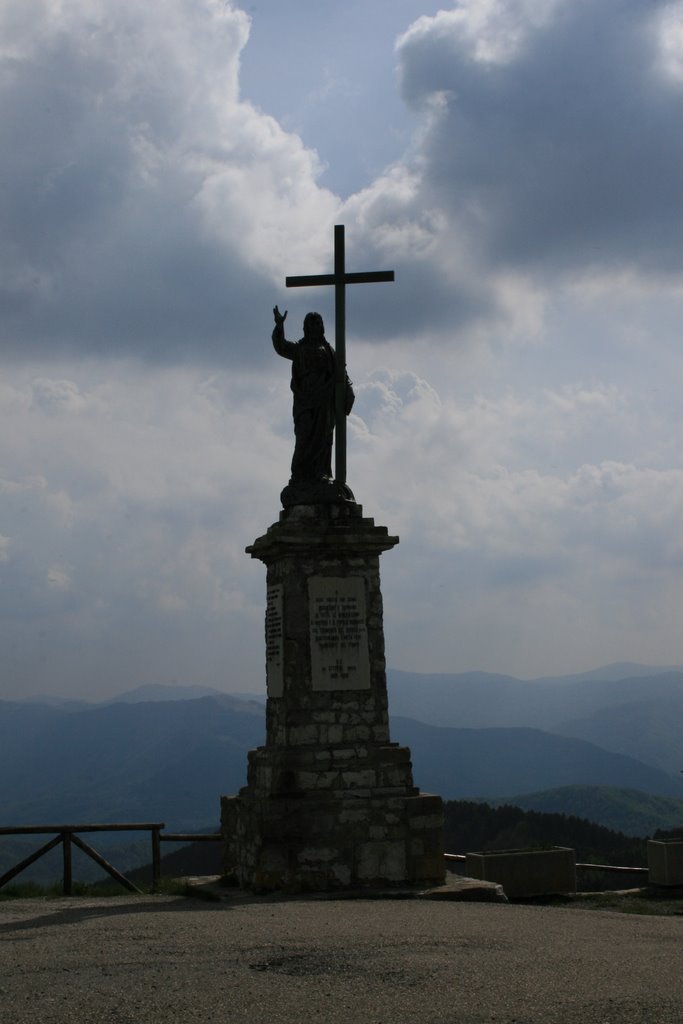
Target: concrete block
(665, 861)
(526, 872)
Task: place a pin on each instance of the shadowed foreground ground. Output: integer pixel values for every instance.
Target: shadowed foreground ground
(169, 959)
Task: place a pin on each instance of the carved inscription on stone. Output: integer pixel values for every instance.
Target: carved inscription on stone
(339, 638)
(274, 641)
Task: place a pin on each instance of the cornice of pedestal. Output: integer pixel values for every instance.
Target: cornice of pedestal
(341, 529)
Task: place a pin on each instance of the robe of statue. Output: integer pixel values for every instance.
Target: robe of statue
(313, 387)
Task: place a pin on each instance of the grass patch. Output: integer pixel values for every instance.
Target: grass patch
(655, 902)
(34, 890)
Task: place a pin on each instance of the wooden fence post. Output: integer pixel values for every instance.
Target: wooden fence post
(156, 859)
(66, 848)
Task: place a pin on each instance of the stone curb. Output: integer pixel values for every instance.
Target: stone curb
(455, 889)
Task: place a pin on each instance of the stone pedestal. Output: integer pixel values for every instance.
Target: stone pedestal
(329, 801)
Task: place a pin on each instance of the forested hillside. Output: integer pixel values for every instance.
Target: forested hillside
(473, 826)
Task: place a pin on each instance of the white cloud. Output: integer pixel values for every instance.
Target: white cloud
(151, 488)
(671, 40)
(453, 475)
(59, 577)
(486, 31)
(131, 540)
(58, 396)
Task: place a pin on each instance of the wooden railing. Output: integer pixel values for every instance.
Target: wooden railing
(68, 837)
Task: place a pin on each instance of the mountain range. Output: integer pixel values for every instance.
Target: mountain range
(164, 761)
(143, 756)
(626, 709)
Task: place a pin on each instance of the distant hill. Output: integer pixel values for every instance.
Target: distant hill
(154, 692)
(160, 691)
(167, 761)
(171, 760)
(647, 729)
(613, 673)
(477, 700)
(460, 763)
(51, 699)
(624, 810)
(637, 715)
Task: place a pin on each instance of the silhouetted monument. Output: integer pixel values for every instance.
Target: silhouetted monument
(329, 801)
(313, 387)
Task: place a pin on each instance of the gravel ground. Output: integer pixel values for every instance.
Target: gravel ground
(168, 959)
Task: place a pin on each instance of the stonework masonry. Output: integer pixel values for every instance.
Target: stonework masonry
(329, 801)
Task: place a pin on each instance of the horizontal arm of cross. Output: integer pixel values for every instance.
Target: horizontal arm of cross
(370, 277)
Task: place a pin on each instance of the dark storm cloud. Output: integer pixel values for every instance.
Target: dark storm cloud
(146, 211)
(557, 149)
(110, 130)
(169, 295)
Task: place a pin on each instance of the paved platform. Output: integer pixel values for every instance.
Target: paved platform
(133, 960)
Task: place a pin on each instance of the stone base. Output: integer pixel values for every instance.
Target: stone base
(329, 841)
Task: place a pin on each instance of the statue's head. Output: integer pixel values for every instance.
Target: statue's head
(314, 328)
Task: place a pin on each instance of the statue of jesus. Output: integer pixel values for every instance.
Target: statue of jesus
(313, 380)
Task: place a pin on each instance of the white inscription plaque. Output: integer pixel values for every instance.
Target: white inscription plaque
(339, 636)
(274, 641)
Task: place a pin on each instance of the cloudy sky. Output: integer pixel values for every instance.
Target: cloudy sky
(518, 417)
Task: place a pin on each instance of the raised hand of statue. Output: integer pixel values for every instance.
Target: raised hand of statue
(279, 317)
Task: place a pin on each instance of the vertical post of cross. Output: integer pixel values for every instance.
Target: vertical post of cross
(339, 279)
(340, 354)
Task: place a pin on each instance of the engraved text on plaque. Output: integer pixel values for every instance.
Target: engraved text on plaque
(274, 641)
(339, 638)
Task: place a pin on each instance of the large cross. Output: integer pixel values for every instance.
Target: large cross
(340, 279)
